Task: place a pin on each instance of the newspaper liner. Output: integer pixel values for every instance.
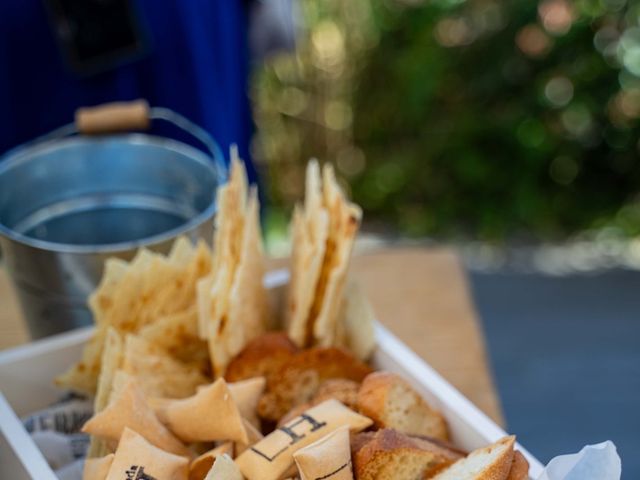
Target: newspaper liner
(272, 457)
(130, 410)
(135, 458)
(328, 458)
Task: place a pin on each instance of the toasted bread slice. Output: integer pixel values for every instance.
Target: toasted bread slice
(391, 454)
(519, 467)
(487, 463)
(359, 440)
(392, 403)
(343, 390)
(299, 379)
(262, 357)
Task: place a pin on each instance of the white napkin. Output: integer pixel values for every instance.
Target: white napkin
(593, 462)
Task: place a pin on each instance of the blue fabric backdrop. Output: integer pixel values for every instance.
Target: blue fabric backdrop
(197, 65)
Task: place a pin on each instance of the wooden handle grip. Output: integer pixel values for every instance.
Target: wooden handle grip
(113, 117)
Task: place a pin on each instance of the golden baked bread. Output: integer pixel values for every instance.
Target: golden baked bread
(341, 389)
(487, 463)
(391, 402)
(389, 454)
(262, 357)
(519, 467)
(298, 379)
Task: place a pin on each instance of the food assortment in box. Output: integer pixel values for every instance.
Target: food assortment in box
(197, 372)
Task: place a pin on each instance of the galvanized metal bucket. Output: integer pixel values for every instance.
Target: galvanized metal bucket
(68, 201)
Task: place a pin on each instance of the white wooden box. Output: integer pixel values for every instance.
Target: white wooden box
(26, 385)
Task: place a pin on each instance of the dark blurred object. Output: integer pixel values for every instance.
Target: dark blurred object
(96, 35)
(197, 65)
(464, 118)
(272, 28)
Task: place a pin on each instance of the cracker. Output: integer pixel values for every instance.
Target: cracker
(310, 229)
(136, 458)
(323, 236)
(232, 301)
(159, 374)
(130, 410)
(133, 295)
(344, 221)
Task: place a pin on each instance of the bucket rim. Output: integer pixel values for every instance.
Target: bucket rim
(23, 154)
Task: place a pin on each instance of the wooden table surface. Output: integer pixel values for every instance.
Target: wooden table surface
(420, 294)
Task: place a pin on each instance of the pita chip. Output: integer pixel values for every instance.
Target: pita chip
(97, 468)
(132, 295)
(224, 468)
(344, 222)
(211, 414)
(158, 374)
(177, 335)
(357, 319)
(111, 360)
(83, 376)
(232, 301)
(199, 467)
(328, 458)
(246, 394)
(130, 410)
(310, 230)
(136, 458)
(272, 457)
(181, 251)
(323, 232)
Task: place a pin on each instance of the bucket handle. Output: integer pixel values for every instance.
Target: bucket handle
(134, 115)
(113, 117)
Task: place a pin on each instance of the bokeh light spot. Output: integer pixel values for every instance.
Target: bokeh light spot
(328, 45)
(533, 42)
(559, 91)
(577, 120)
(556, 16)
(338, 115)
(631, 60)
(351, 161)
(454, 32)
(604, 38)
(293, 101)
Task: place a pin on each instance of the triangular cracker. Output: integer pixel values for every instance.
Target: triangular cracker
(232, 301)
(310, 230)
(323, 236)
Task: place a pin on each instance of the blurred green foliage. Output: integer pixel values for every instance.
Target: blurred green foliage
(475, 118)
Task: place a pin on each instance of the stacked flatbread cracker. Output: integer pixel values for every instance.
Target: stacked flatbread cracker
(232, 301)
(323, 233)
(153, 296)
